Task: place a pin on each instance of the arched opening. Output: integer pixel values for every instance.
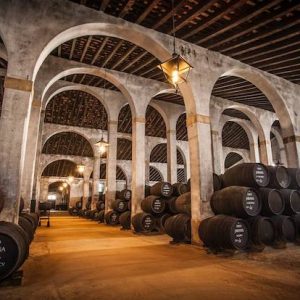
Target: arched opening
(59, 195)
(181, 166)
(277, 145)
(155, 175)
(125, 120)
(121, 179)
(232, 159)
(155, 124)
(124, 149)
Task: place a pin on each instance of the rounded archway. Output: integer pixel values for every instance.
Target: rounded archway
(232, 159)
(155, 175)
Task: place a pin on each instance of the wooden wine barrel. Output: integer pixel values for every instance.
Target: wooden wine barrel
(14, 248)
(272, 202)
(179, 227)
(292, 201)
(73, 211)
(217, 182)
(32, 218)
(43, 206)
(224, 232)
(170, 205)
(125, 219)
(262, 232)
(27, 227)
(143, 222)
(285, 229)
(189, 184)
(92, 213)
(164, 189)
(183, 203)
(147, 190)
(129, 205)
(100, 205)
(78, 204)
(246, 174)
(179, 188)
(112, 218)
(88, 203)
(237, 201)
(124, 194)
(100, 216)
(295, 178)
(160, 222)
(153, 205)
(279, 177)
(22, 203)
(119, 205)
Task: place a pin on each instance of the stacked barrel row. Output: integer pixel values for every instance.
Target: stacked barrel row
(15, 240)
(121, 207)
(166, 208)
(255, 206)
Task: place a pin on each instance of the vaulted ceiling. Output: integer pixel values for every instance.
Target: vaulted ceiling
(68, 143)
(233, 135)
(76, 108)
(231, 159)
(61, 168)
(264, 34)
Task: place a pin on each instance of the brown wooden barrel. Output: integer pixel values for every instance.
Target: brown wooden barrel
(100, 216)
(160, 222)
(224, 232)
(147, 190)
(285, 229)
(170, 205)
(112, 218)
(179, 227)
(183, 203)
(73, 211)
(279, 177)
(125, 220)
(143, 222)
(153, 205)
(14, 248)
(27, 227)
(124, 194)
(292, 201)
(119, 205)
(272, 202)
(92, 213)
(239, 201)
(32, 218)
(22, 203)
(164, 189)
(100, 205)
(179, 188)
(295, 178)
(217, 182)
(262, 232)
(78, 204)
(246, 174)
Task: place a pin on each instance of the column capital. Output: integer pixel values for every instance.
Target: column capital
(19, 84)
(197, 118)
(113, 122)
(139, 120)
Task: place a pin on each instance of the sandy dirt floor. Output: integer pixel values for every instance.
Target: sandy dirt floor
(80, 259)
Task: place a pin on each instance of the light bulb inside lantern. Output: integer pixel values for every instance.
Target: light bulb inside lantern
(175, 76)
(70, 179)
(102, 149)
(80, 168)
(65, 184)
(61, 188)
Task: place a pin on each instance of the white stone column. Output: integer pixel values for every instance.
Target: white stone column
(218, 160)
(30, 154)
(96, 177)
(172, 155)
(13, 136)
(44, 186)
(111, 165)
(85, 190)
(138, 164)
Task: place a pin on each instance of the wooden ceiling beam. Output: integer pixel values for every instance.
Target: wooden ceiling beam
(140, 56)
(239, 20)
(264, 21)
(214, 18)
(111, 55)
(142, 17)
(126, 8)
(169, 15)
(72, 48)
(87, 44)
(104, 4)
(100, 49)
(124, 57)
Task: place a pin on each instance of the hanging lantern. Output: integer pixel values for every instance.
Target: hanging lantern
(80, 168)
(176, 69)
(70, 179)
(65, 185)
(102, 145)
(61, 188)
